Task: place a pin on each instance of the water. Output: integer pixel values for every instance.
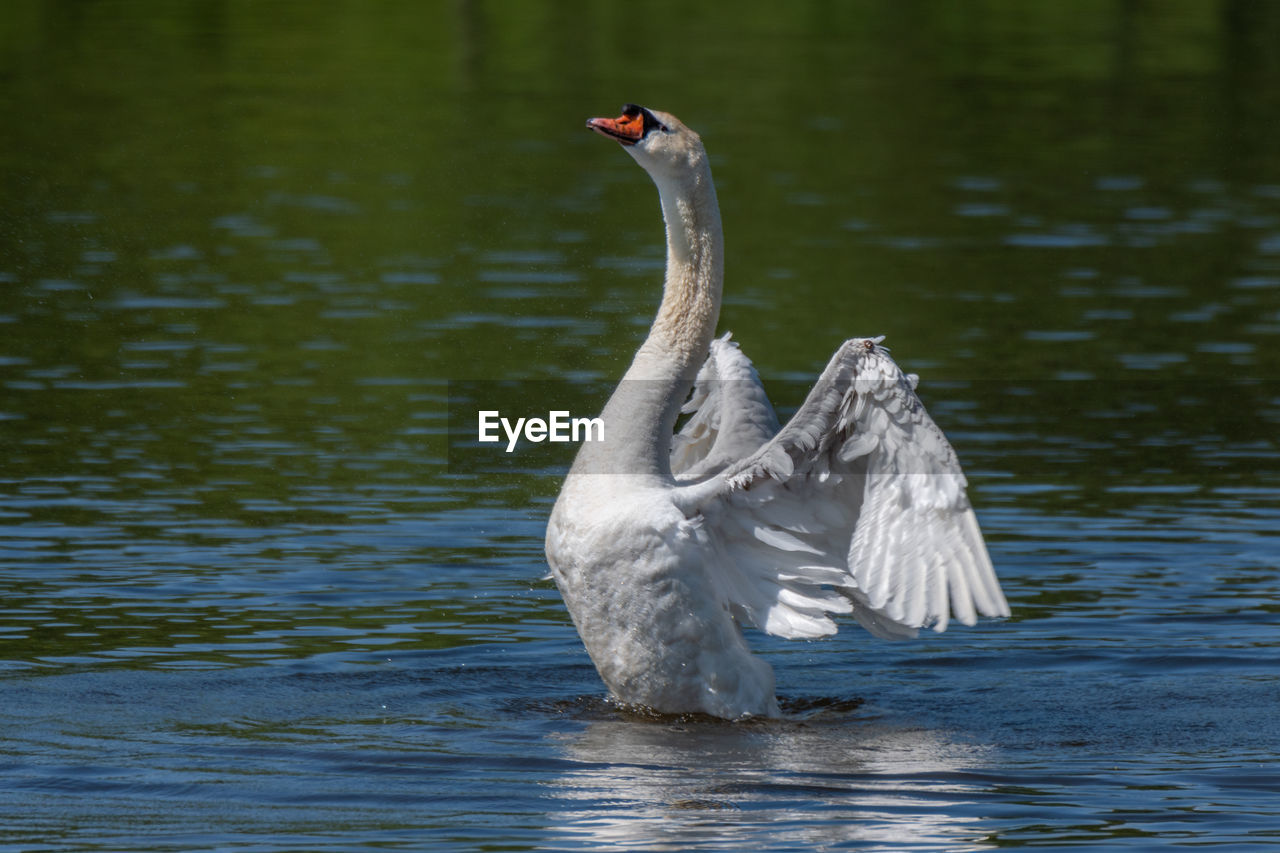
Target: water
(249, 253)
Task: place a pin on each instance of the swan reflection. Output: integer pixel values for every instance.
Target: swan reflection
(675, 784)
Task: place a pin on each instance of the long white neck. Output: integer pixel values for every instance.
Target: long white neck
(690, 307)
(640, 416)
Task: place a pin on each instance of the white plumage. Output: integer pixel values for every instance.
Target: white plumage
(663, 545)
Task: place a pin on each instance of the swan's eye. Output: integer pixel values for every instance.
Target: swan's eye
(651, 123)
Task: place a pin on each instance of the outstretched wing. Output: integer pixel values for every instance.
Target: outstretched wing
(732, 417)
(857, 506)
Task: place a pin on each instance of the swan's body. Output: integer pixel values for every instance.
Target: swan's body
(663, 545)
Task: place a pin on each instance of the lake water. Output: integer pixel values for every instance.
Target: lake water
(254, 257)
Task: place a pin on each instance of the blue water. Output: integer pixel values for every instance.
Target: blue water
(405, 678)
(259, 591)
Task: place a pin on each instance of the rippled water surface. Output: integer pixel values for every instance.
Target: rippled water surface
(257, 259)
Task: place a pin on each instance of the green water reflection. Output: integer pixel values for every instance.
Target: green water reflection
(245, 246)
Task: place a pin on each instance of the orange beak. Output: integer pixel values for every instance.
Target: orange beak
(627, 129)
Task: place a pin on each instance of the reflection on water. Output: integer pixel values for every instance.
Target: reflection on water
(838, 781)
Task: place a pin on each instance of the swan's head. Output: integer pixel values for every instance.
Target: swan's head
(658, 141)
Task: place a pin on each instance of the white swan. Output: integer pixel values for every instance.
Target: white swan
(663, 545)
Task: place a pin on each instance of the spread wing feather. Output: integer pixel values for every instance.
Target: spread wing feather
(731, 415)
(857, 506)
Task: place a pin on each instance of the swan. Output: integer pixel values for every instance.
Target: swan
(664, 544)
